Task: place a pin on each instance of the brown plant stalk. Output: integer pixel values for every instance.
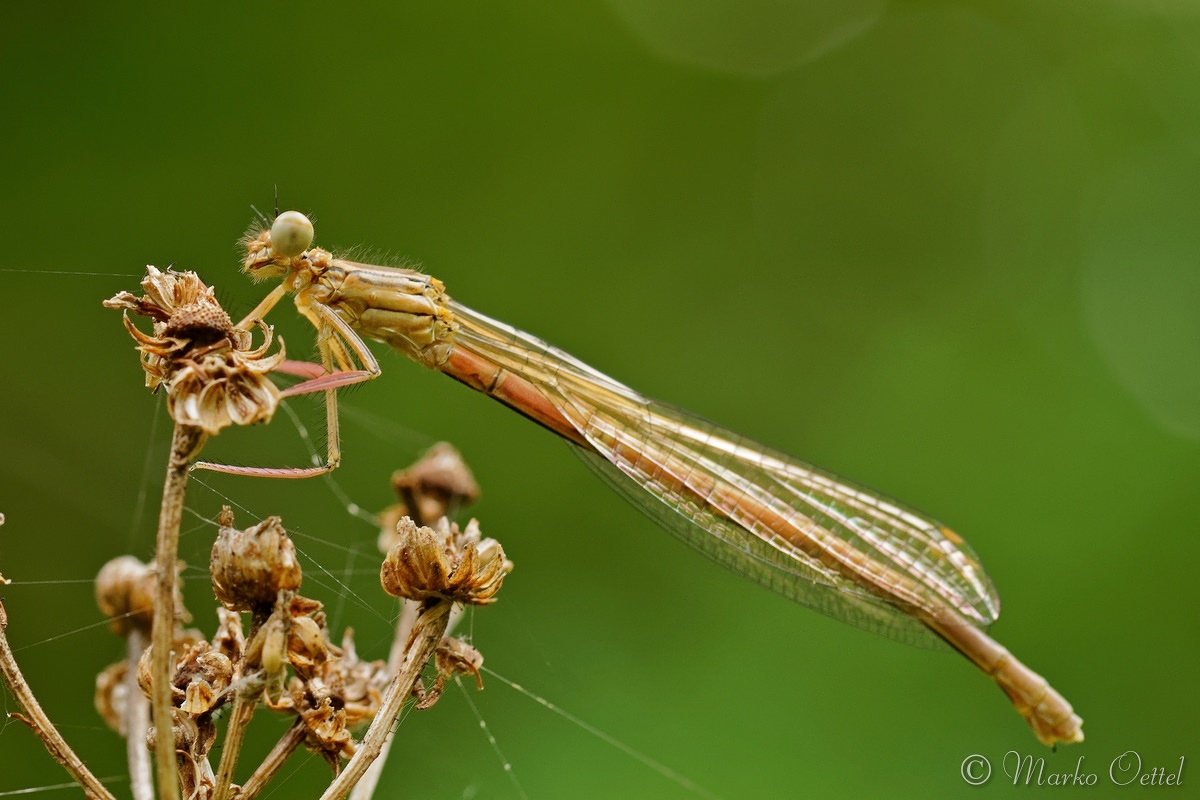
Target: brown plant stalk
(186, 442)
(427, 632)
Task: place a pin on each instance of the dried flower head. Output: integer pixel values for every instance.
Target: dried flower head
(444, 562)
(212, 375)
(328, 734)
(436, 484)
(359, 684)
(250, 567)
(333, 691)
(205, 675)
(125, 594)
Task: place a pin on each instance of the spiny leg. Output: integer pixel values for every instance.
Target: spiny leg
(335, 337)
(339, 345)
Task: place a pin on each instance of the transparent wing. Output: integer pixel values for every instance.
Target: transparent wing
(822, 541)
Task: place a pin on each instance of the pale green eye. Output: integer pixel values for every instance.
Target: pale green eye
(291, 234)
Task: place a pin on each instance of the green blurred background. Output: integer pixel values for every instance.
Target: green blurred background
(947, 249)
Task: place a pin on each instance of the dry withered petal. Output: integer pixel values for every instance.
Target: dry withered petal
(230, 640)
(328, 734)
(125, 594)
(359, 683)
(298, 605)
(453, 657)
(250, 567)
(213, 377)
(308, 647)
(144, 680)
(444, 562)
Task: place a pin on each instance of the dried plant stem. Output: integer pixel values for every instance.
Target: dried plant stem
(33, 716)
(275, 759)
(243, 709)
(365, 788)
(186, 442)
(137, 716)
(245, 701)
(428, 630)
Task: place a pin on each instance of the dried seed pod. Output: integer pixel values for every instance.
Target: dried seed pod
(273, 637)
(444, 562)
(125, 594)
(186, 647)
(109, 698)
(250, 567)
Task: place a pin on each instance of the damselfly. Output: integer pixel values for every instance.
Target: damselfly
(836, 547)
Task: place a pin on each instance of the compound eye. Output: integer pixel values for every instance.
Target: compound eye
(291, 234)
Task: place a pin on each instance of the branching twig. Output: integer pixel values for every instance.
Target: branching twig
(33, 716)
(279, 754)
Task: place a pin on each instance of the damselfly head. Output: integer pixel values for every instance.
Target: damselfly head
(272, 253)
